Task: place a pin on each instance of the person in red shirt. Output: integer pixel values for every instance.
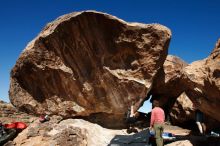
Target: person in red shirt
(157, 122)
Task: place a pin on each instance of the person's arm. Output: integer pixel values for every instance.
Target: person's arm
(138, 104)
(132, 111)
(163, 116)
(136, 114)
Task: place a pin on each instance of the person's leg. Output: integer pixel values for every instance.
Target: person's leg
(203, 128)
(130, 129)
(200, 127)
(161, 133)
(130, 123)
(158, 128)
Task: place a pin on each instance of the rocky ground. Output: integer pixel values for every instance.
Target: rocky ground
(78, 132)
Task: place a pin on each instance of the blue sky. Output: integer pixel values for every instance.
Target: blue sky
(195, 24)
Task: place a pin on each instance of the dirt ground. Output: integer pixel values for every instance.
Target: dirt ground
(186, 137)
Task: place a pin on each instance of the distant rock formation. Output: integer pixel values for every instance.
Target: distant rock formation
(89, 64)
(9, 113)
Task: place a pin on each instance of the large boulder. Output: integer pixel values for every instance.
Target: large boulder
(88, 64)
(202, 79)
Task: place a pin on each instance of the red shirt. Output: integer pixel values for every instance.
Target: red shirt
(157, 116)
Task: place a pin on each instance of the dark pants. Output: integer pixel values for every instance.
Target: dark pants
(131, 120)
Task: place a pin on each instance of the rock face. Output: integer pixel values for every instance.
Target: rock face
(169, 78)
(182, 113)
(88, 63)
(182, 110)
(202, 79)
(167, 84)
(179, 86)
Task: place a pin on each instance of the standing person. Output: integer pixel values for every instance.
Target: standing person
(157, 122)
(199, 118)
(200, 121)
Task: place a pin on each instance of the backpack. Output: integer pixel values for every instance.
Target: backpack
(16, 125)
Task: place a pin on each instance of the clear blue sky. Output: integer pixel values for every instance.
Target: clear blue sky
(195, 24)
